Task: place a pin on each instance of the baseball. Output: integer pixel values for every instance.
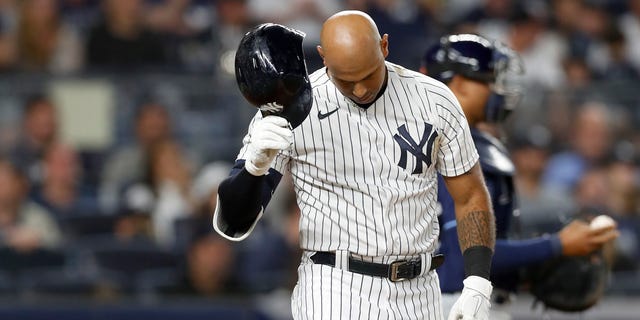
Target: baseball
(602, 221)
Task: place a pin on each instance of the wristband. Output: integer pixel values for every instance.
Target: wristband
(477, 261)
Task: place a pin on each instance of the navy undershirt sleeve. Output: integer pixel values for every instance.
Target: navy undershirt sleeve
(510, 254)
(243, 196)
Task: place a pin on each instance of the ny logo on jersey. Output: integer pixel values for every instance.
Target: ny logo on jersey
(408, 144)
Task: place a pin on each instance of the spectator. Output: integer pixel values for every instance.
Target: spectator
(618, 66)
(185, 27)
(273, 251)
(577, 74)
(542, 51)
(60, 192)
(121, 41)
(569, 21)
(40, 130)
(538, 206)
(590, 143)
(630, 26)
(205, 187)
(127, 164)
(168, 16)
(407, 22)
(8, 49)
(168, 182)
(134, 219)
(488, 18)
(208, 270)
(305, 15)
(24, 225)
(210, 260)
(623, 202)
(592, 190)
(45, 42)
(232, 20)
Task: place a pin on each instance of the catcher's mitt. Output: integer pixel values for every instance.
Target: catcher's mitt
(570, 283)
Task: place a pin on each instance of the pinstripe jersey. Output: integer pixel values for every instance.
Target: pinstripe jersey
(366, 179)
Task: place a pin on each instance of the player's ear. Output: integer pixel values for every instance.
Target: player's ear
(321, 53)
(384, 45)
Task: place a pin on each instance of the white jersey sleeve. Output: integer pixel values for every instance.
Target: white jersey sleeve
(457, 153)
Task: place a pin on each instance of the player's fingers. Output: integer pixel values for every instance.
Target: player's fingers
(605, 237)
(603, 230)
(275, 120)
(272, 144)
(279, 131)
(272, 130)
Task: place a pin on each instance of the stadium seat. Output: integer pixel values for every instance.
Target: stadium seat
(84, 225)
(12, 261)
(126, 261)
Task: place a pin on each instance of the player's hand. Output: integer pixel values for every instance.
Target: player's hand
(579, 239)
(267, 137)
(473, 303)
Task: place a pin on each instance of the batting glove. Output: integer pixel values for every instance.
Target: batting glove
(267, 137)
(473, 303)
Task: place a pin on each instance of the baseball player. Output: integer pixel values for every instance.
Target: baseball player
(477, 71)
(364, 165)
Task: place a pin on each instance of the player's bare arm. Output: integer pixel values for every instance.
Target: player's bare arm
(476, 226)
(476, 234)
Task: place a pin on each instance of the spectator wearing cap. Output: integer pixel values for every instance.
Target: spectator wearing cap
(167, 182)
(204, 190)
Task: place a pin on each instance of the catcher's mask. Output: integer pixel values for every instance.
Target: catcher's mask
(479, 59)
(272, 74)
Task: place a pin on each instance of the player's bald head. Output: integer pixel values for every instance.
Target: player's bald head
(350, 39)
(353, 52)
(349, 32)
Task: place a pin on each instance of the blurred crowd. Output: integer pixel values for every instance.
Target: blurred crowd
(134, 217)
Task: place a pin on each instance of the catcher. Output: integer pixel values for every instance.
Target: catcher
(477, 71)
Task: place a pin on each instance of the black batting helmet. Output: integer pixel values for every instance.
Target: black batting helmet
(477, 58)
(272, 74)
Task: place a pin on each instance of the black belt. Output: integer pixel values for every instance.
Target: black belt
(396, 271)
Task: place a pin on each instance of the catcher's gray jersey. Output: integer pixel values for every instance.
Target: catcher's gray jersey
(366, 179)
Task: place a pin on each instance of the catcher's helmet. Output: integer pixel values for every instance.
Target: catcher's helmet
(272, 74)
(477, 58)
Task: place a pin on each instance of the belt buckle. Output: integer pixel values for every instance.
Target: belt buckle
(396, 274)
